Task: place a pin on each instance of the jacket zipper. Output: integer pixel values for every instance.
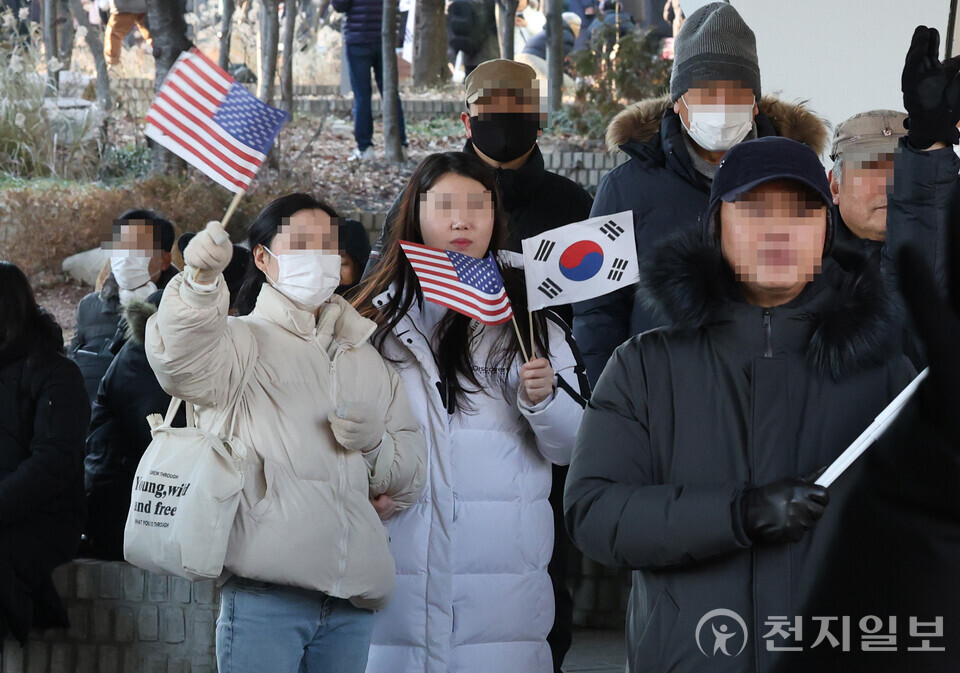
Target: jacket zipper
(767, 334)
(342, 473)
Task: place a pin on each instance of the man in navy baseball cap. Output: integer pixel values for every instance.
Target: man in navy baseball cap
(772, 213)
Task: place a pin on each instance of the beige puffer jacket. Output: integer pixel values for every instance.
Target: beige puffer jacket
(305, 518)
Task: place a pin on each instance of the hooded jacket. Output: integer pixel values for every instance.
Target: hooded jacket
(473, 593)
(666, 194)
(305, 516)
(119, 433)
(684, 418)
(43, 420)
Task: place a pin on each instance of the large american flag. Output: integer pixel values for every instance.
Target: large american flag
(204, 116)
(466, 284)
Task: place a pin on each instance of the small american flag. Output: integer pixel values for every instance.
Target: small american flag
(466, 284)
(204, 116)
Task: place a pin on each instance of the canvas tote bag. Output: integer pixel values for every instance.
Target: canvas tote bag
(186, 492)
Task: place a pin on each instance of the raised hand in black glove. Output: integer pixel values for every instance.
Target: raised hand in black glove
(931, 93)
(937, 321)
(784, 510)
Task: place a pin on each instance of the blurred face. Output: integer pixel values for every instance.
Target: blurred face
(713, 97)
(348, 270)
(861, 194)
(457, 214)
(304, 230)
(773, 239)
(504, 124)
(138, 237)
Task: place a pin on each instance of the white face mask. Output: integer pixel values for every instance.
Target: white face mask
(717, 128)
(131, 268)
(307, 278)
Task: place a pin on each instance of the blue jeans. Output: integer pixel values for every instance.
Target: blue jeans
(360, 58)
(269, 627)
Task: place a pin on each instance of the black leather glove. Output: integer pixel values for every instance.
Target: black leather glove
(937, 320)
(784, 510)
(931, 93)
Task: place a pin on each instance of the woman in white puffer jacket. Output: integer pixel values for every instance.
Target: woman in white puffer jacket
(473, 592)
(329, 426)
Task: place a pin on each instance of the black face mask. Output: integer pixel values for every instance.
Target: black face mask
(504, 136)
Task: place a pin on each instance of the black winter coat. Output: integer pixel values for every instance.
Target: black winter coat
(666, 195)
(683, 419)
(362, 20)
(43, 420)
(119, 434)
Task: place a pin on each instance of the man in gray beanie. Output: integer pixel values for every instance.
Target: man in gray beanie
(674, 144)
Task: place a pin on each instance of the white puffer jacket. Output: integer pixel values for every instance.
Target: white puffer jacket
(473, 594)
(305, 518)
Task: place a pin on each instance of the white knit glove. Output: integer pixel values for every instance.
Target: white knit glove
(209, 253)
(357, 427)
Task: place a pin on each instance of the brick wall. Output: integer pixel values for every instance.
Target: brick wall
(584, 168)
(123, 620)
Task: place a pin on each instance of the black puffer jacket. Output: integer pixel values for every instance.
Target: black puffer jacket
(43, 420)
(683, 419)
(667, 195)
(119, 434)
(362, 20)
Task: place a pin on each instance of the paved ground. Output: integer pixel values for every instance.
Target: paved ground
(596, 651)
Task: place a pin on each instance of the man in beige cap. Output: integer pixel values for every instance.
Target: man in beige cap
(894, 176)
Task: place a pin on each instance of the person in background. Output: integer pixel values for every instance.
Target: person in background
(119, 432)
(43, 419)
(472, 31)
(361, 33)
(354, 253)
(473, 591)
(674, 145)
(140, 264)
(124, 15)
(328, 426)
(535, 51)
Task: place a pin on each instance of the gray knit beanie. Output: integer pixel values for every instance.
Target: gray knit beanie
(714, 44)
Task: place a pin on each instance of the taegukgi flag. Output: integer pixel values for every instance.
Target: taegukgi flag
(580, 261)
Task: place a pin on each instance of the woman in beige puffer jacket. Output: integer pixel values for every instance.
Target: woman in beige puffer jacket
(329, 428)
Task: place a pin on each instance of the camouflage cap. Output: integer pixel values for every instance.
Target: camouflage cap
(868, 133)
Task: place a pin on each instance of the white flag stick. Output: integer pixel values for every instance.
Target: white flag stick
(868, 436)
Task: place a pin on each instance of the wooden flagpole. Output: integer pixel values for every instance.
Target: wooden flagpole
(523, 349)
(533, 341)
(232, 208)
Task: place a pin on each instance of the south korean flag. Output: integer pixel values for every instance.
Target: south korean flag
(581, 261)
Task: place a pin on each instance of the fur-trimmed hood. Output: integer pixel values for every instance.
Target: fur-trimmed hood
(136, 314)
(688, 284)
(640, 121)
